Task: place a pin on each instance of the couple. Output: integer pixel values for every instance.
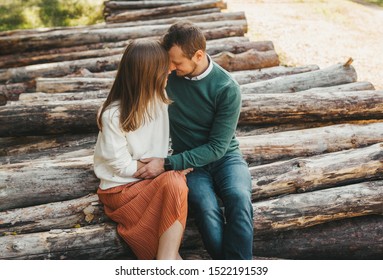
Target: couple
(145, 190)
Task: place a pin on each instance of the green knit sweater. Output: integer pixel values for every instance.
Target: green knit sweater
(203, 118)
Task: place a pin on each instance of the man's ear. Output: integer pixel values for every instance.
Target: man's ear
(199, 55)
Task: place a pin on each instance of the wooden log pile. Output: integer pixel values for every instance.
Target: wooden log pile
(313, 139)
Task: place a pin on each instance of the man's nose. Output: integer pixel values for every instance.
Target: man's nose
(172, 67)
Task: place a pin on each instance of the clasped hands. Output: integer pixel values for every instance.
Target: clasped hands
(149, 168)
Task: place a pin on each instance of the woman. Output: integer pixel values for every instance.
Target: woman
(133, 121)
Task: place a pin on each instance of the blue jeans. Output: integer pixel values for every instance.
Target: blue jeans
(226, 234)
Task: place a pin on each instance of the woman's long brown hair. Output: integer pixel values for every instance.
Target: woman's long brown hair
(139, 84)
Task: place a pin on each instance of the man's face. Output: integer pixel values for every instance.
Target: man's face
(179, 62)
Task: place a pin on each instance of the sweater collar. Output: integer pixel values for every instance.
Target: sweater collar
(205, 73)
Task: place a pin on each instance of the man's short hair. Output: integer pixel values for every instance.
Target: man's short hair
(187, 36)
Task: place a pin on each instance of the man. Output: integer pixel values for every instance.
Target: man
(203, 119)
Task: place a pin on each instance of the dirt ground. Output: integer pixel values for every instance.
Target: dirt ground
(320, 32)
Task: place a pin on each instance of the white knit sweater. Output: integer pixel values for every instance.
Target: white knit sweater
(117, 152)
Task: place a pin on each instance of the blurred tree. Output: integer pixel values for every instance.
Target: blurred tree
(21, 14)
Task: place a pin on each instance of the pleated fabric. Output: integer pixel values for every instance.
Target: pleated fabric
(144, 210)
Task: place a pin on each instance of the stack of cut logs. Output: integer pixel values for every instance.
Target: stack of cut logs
(313, 139)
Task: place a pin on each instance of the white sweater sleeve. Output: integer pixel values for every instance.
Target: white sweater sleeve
(113, 146)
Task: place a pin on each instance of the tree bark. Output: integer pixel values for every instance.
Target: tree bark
(357, 86)
(355, 238)
(263, 109)
(51, 178)
(41, 97)
(252, 76)
(79, 212)
(69, 84)
(156, 12)
(253, 130)
(56, 178)
(27, 148)
(92, 243)
(330, 76)
(348, 239)
(108, 49)
(237, 45)
(53, 85)
(107, 63)
(57, 69)
(251, 59)
(312, 208)
(266, 148)
(299, 175)
(12, 91)
(70, 38)
(3, 99)
(212, 17)
(260, 109)
(52, 118)
(128, 5)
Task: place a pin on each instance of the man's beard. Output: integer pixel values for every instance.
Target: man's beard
(190, 74)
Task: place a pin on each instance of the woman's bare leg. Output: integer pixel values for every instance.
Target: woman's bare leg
(170, 242)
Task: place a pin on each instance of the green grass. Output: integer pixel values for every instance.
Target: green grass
(377, 2)
(22, 14)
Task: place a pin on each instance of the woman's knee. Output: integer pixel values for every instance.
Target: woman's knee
(174, 181)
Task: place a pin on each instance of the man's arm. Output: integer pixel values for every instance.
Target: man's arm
(221, 133)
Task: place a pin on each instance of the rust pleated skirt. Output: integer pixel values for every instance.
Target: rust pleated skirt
(144, 210)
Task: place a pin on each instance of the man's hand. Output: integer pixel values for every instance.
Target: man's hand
(152, 168)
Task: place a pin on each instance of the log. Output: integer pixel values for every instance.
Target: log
(66, 38)
(13, 90)
(260, 109)
(312, 208)
(357, 86)
(131, 5)
(317, 172)
(252, 130)
(17, 60)
(251, 76)
(251, 59)
(51, 178)
(56, 178)
(26, 148)
(53, 118)
(242, 77)
(78, 84)
(98, 64)
(330, 240)
(349, 239)
(151, 13)
(330, 76)
(52, 85)
(267, 148)
(218, 16)
(3, 99)
(233, 44)
(43, 56)
(356, 238)
(236, 45)
(57, 69)
(40, 97)
(92, 243)
(264, 109)
(281, 178)
(173, 15)
(79, 212)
